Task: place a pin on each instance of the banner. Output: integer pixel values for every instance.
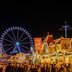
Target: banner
(38, 44)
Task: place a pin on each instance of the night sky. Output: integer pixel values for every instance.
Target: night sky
(37, 23)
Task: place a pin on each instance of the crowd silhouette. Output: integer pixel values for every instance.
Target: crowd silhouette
(30, 67)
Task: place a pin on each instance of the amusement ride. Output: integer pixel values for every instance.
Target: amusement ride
(16, 39)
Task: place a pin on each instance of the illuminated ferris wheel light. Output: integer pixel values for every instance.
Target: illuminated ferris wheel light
(17, 43)
(16, 39)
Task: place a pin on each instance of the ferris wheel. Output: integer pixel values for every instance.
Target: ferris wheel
(16, 39)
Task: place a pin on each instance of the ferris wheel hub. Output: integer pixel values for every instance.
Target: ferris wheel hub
(17, 43)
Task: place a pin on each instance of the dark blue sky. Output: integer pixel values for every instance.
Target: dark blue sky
(37, 23)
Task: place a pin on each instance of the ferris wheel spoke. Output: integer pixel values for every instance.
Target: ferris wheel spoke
(10, 48)
(23, 39)
(17, 34)
(25, 47)
(22, 50)
(21, 36)
(8, 44)
(13, 35)
(10, 37)
(8, 40)
(25, 43)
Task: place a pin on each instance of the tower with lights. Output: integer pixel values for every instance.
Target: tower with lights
(65, 28)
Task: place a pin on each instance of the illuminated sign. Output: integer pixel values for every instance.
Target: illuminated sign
(38, 43)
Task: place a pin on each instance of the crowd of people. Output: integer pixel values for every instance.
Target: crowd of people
(30, 67)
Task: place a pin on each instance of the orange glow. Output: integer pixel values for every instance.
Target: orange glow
(38, 43)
